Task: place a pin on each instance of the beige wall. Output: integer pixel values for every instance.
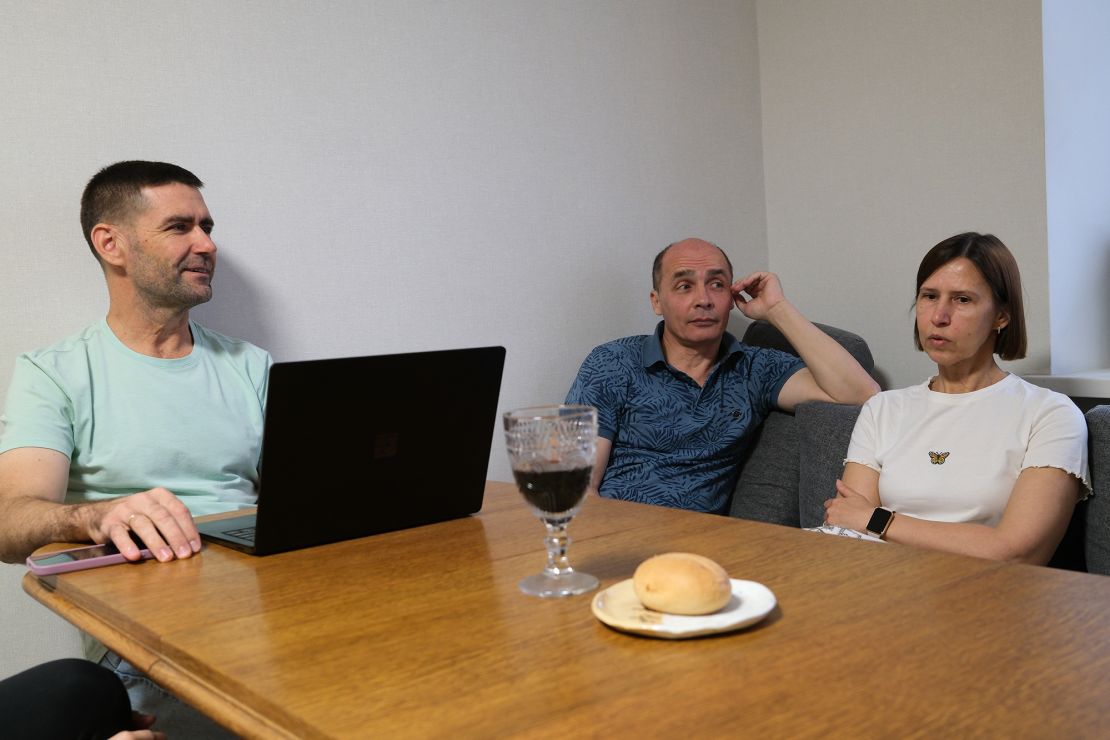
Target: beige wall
(385, 176)
(888, 126)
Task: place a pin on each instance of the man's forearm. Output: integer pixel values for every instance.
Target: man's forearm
(27, 524)
(834, 369)
(33, 484)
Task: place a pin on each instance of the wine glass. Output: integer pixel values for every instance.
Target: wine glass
(551, 449)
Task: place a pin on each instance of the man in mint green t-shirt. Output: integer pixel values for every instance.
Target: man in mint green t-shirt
(144, 418)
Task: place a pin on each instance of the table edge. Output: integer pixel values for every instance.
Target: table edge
(186, 685)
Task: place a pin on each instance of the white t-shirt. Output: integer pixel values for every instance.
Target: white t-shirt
(954, 457)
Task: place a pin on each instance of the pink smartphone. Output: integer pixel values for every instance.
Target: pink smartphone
(79, 558)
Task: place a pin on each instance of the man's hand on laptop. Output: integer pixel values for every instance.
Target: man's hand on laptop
(157, 517)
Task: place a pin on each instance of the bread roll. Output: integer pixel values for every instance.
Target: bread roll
(682, 583)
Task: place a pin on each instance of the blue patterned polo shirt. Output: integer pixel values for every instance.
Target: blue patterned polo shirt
(674, 443)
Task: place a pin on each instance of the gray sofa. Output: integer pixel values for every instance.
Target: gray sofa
(794, 461)
(774, 485)
(1090, 530)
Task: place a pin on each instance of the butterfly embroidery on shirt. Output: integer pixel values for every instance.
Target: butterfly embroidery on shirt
(938, 458)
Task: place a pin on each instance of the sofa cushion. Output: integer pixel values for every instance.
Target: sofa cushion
(767, 487)
(824, 431)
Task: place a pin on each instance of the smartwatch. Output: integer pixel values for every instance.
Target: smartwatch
(880, 522)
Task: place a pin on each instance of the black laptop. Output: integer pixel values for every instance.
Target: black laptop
(362, 445)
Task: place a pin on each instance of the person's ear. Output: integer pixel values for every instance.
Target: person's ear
(655, 306)
(109, 243)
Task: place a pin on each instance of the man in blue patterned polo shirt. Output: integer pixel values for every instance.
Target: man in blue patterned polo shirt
(677, 408)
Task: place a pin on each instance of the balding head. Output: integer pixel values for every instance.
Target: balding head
(657, 265)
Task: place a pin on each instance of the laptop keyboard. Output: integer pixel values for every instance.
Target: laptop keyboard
(243, 533)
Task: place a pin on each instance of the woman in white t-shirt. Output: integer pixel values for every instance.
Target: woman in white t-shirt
(975, 460)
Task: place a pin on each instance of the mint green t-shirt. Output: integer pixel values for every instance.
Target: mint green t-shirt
(129, 422)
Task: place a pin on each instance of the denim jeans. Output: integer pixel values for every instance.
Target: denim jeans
(174, 717)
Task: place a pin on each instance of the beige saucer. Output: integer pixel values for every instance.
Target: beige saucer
(618, 607)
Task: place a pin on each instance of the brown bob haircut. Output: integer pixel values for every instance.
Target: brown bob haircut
(999, 269)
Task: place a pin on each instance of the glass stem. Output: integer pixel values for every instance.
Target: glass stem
(557, 542)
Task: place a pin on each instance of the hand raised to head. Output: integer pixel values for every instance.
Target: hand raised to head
(764, 293)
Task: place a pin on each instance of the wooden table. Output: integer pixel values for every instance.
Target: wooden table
(423, 633)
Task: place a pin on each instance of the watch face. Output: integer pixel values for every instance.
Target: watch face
(879, 520)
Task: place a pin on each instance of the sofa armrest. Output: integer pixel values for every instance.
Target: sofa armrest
(1097, 543)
